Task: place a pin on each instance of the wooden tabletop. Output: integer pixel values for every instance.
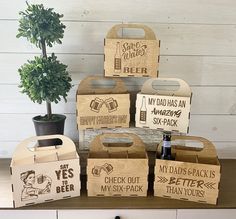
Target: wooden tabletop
(227, 195)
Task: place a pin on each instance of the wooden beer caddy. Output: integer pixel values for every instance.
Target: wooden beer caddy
(131, 57)
(101, 107)
(44, 174)
(117, 169)
(194, 174)
(167, 110)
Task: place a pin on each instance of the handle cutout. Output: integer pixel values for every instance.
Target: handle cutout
(161, 85)
(126, 32)
(40, 145)
(103, 83)
(117, 142)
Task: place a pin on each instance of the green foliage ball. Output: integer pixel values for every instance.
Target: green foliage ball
(39, 24)
(45, 79)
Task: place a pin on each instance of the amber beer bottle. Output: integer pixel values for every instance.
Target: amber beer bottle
(117, 59)
(166, 146)
(143, 111)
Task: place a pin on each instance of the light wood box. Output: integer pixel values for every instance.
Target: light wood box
(161, 109)
(99, 107)
(117, 169)
(44, 174)
(194, 175)
(131, 57)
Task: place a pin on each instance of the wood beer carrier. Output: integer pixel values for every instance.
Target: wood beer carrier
(99, 107)
(193, 175)
(115, 169)
(167, 110)
(131, 57)
(44, 174)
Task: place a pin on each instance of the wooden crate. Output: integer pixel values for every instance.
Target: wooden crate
(194, 175)
(99, 107)
(167, 110)
(131, 57)
(115, 169)
(43, 174)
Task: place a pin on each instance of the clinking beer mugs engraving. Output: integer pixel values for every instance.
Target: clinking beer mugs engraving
(110, 103)
(96, 171)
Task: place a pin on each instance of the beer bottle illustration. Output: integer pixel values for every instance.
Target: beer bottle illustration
(143, 111)
(117, 59)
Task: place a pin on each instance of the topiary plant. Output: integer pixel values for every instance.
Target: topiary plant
(44, 78)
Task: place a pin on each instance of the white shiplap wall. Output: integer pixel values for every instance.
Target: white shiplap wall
(197, 44)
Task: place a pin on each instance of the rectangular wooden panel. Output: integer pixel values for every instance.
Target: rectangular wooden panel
(169, 113)
(187, 181)
(131, 57)
(127, 177)
(103, 111)
(60, 181)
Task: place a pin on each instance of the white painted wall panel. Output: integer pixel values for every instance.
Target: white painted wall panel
(196, 70)
(164, 11)
(88, 38)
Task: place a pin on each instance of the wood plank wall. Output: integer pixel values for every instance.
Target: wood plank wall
(197, 44)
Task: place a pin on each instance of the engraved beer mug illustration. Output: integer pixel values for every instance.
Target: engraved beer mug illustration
(108, 168)
(96, 171)
(111, 104)
(117, 59)
(41, 178)
(96, 104)
(143, 111)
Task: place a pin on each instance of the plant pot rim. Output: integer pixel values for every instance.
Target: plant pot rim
(60, 116)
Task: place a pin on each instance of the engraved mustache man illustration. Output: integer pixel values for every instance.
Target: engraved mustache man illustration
(29, 191)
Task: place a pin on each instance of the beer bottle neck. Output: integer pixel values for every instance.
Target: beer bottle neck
(166, 147)
(166, 153)
(118, 48)
(143, 102)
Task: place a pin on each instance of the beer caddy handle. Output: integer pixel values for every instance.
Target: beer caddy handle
(183, 91)
(23, 152)
(137, 145)
(208, 149)
(149, 34)
(85, 86)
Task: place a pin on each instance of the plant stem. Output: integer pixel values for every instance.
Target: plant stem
(49, 109)
(44, 54)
